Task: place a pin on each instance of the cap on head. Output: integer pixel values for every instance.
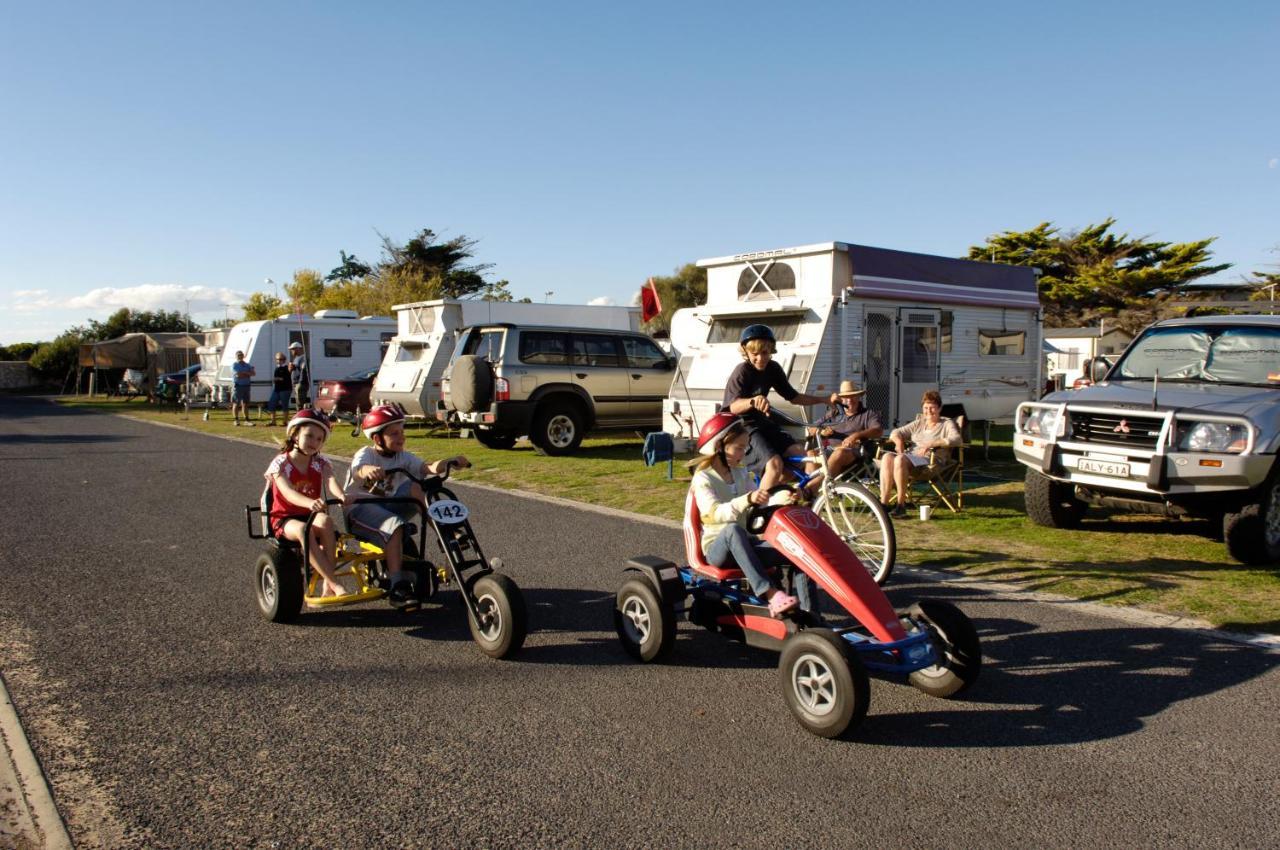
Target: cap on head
(308, 416)
(751, 332)
(295, 346)
(380, 417)
(715, 430)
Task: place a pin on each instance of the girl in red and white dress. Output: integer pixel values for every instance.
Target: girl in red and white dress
(299, 478)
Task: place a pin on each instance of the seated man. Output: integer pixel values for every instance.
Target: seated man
(856, 426)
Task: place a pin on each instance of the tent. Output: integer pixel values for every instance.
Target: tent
(151, 353)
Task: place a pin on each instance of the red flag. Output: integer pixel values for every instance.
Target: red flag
(650, 304)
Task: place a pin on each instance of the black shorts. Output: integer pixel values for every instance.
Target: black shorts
(766, 443)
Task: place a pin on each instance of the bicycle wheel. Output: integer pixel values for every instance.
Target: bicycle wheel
(863, 524)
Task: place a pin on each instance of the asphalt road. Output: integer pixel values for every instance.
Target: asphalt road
(167, 714)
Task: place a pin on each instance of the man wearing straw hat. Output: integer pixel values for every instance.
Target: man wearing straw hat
(855, 425)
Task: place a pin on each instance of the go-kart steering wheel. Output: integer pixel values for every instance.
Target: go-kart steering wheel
(759, 515)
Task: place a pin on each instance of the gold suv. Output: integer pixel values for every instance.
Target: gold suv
(554, 384)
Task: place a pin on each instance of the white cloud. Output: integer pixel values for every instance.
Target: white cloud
(1273, 162)
(602, 301)
(148, 296)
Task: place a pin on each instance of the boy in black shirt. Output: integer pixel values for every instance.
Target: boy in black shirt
(746, 395)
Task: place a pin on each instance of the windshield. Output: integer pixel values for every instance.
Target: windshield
(1209, 355)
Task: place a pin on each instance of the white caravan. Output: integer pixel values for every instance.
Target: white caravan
(427, 330)
(896, 322)
(336, 343)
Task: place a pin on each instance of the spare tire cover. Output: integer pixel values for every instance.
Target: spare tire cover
(470, 384)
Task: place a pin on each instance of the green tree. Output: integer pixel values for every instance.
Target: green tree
(126, 321)
(260, 305)
(432, 268)
(306, 291)
(498, 291)
(685, 287)
(53, 361)
(351, 269)
(18, 351)
(1093, 273)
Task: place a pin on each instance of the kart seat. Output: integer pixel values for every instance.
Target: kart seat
(693, 546)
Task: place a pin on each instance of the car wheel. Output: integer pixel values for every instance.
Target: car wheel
(503, 622)
(278, 586)
(825, 686)
(494, 440)
(645, 625)
(1252, 534)
(1052, 503)
(557, 429)
(956, 643)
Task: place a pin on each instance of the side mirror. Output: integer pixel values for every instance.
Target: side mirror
(665, 365)
(1098, 369)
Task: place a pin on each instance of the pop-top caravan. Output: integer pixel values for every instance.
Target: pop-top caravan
(417, 357)
(896, 322)
(337, 343)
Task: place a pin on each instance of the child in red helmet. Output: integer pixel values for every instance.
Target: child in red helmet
(384, 524)
(724, 493)
(299, 477)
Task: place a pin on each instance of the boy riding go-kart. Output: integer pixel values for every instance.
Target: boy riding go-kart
(285, 579)
(823, 671)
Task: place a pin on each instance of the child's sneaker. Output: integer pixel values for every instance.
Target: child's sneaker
(782, 603)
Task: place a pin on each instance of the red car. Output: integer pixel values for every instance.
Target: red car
(346, 395)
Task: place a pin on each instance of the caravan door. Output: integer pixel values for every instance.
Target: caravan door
(919, 330)
(877, 362)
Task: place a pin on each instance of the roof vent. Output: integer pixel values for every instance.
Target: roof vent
(336, 314)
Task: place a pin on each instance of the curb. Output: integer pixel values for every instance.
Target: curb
(33, 796)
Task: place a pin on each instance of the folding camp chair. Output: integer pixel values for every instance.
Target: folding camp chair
(946, 479)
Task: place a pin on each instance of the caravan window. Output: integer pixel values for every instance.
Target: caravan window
(1002, 342)
(766, 279)
(730, 328)
(337, 348)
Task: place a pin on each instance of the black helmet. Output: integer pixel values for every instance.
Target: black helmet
(751, 332)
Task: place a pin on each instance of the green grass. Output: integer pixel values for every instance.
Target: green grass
(1161, 565)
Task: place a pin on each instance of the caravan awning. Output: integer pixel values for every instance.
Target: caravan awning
(902, 275)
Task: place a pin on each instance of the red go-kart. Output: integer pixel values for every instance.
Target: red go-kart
(823, 670)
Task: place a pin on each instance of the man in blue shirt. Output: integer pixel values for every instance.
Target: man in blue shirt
(242, 377)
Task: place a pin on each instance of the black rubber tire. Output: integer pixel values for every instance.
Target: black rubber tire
(493, 440)
(854, 513)
(824, 684)
(1051, 503)
(1252, 534)
(499, 599)
(646, 626)
(557, 429)
(956, 641)
(278, 586)
(470, 384)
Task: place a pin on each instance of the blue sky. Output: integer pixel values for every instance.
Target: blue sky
(153, 153)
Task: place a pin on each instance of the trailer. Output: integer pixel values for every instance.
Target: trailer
(336, 343)
(427, 331)
(897, 322)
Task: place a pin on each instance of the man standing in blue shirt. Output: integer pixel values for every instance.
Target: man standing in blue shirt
(242, 377)
(300, 374)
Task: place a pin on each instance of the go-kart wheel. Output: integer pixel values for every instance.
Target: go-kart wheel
(645, 625)
(956, 642)
(278, 585)
(825, 686)
(503, 620)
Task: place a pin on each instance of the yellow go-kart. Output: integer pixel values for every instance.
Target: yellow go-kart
(495, 607)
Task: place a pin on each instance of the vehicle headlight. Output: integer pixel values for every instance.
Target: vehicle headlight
(1213, 437)
(1043, 422)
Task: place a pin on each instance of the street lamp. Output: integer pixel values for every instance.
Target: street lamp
(548, 296)
(271, 283)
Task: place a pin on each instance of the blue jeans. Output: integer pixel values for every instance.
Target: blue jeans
(735, 544)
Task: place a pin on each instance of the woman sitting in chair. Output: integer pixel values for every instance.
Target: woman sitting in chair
(931, 437)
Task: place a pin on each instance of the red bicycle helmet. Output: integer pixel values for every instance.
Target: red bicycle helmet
(380, 417)
(715, 430)
(308, 416)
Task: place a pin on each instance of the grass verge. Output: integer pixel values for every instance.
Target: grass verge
(1168, 566)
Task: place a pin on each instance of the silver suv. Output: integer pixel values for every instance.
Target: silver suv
(1187, 422)
(554, 384)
